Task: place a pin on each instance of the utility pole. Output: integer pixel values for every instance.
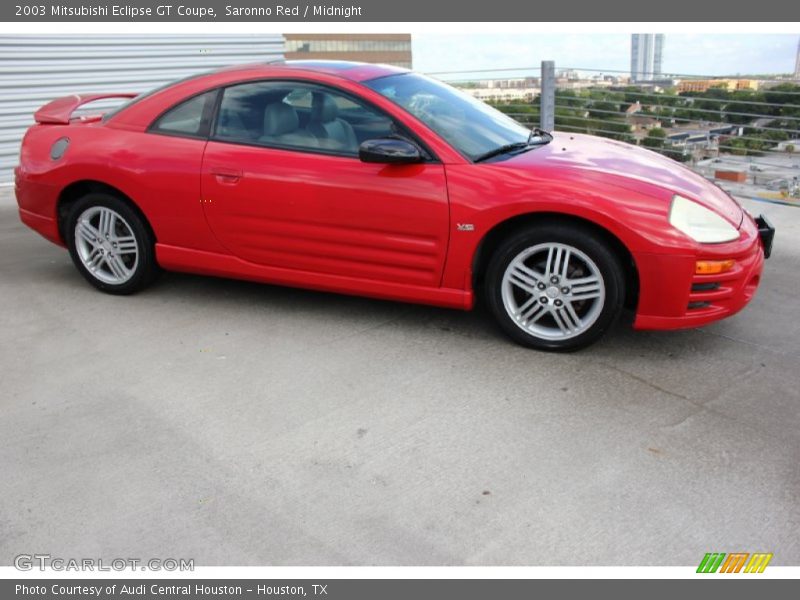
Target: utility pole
(547, 104)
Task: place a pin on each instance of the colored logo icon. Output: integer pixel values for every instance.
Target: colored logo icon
(736, 562)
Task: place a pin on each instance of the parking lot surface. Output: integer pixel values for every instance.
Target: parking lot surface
(244, 424)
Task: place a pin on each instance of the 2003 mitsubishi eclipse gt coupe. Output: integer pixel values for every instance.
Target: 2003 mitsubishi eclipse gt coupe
(376, 181)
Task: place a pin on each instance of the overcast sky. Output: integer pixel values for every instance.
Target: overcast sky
(691, 54)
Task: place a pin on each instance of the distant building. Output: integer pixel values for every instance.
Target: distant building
(702, 140)
(634, 108)
(731, 85)
(387, 48)
(787, 144)
(646, 54)
(518, 82)
(503, 94)
(642, 122)
(580, 84)
(568, 74)
(502, 90)
(797, 62)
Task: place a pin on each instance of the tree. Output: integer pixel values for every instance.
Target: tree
(736, 146)
(790, 148)
(655, 138)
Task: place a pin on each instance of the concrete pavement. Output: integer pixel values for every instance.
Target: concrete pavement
(244, 424)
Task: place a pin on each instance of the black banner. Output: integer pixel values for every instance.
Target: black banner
(400, 11)
(731, 588)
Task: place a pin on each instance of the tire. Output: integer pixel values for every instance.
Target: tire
(536, 305)
(110, 244)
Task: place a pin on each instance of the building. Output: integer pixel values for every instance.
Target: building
(388, 48)
(797, 62)
(643, 122)
(503, 95)
(582, 84)
(519, 89)
(703, 141)
(36, 69)
(568, 75)
(646, 54)
(731, 85)
(633, 108)
(788, 145)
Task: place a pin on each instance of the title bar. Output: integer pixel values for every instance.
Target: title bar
(385, 11)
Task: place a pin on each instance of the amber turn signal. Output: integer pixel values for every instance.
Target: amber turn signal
(713, 267)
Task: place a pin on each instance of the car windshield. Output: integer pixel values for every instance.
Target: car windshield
(472, 127)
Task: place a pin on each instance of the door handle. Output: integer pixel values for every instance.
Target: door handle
(227, 175)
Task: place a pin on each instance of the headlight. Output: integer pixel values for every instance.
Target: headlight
(699, 223)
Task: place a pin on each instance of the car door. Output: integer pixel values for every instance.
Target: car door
(170, 153)
(283, 186)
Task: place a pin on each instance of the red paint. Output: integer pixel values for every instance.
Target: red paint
(337, 224)
(60, 110)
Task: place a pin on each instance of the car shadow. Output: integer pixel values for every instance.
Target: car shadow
(219, 296)
(230, 294)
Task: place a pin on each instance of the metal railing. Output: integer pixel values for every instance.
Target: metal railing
(744, 132)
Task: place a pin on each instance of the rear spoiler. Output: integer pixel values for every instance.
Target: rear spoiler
(59, 111)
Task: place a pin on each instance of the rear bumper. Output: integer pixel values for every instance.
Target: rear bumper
(45, 226)
(37, 206)
(672, 296)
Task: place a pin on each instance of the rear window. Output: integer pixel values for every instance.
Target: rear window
(189, 118)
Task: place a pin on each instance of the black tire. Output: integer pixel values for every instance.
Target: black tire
(141, 269)
(585, 240)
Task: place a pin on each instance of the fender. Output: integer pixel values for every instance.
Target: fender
(475, 201)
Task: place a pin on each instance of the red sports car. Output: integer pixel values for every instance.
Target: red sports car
(376, 181)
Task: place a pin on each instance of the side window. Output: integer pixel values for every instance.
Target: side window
(298, 116)
(189, 118)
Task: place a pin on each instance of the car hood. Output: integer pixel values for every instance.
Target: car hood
(623, 165)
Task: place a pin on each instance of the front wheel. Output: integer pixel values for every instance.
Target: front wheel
(555, 286)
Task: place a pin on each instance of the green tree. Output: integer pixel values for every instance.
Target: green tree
(736, 146)
(655, 138)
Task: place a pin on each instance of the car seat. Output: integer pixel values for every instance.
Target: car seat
(282, 127)
(332, 132)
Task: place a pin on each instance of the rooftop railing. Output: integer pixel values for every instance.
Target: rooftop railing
(741, 131)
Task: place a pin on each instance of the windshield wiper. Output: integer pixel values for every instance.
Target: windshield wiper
(502, 150)
(537, 137)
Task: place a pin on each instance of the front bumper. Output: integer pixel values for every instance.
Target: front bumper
(767, 234)
(673, 296)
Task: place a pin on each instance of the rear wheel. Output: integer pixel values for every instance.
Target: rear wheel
(555, 286)
(110, 244)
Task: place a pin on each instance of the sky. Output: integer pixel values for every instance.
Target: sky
(686, 54)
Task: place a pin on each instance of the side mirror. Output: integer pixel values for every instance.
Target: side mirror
(391, 151)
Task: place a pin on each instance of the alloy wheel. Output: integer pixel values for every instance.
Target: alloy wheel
(553, 291)
(106, 245)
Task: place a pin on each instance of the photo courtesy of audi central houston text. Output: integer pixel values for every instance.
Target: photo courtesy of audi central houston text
(374, 180)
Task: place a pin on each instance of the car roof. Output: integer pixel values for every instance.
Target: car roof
(354, 71)
(142, 109)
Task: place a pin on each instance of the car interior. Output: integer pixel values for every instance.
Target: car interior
(298, 117)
